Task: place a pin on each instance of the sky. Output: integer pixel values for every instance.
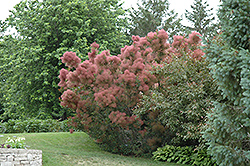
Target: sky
(178, 5)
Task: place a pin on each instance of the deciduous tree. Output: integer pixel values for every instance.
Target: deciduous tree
(45, 30)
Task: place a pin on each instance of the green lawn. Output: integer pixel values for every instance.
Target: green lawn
(67, 149)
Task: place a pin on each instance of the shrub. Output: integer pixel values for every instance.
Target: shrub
(105, 90)
(183, 155)
(183, 96)
(34, 125)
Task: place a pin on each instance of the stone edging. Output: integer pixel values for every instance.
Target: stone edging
(18, 157)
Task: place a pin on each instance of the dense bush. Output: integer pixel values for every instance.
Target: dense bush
(105, 90)
(34, 125)
(183, 95)
(184, 155)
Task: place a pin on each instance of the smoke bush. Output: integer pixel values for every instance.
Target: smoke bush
(105, 90)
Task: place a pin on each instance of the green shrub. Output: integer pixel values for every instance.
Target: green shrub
(182, 98)
(34, 126)
(183, 155)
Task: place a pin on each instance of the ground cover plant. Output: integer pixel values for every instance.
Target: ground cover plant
(66, 149)
(105, 90)
(184, 155)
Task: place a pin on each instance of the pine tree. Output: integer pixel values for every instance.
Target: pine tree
(201, 19)
(228, 132)
(235, 22)
(172, 24)
(152, 15)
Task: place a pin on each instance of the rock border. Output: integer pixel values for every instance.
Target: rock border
(20, 157)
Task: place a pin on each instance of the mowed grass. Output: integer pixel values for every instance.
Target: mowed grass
(65, 149)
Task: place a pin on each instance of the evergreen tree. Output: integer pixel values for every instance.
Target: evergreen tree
(228, 132)
(234, 17)
(201, 19)
(172, 24)
(152, 15)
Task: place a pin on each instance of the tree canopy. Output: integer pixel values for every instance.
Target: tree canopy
(45, 30)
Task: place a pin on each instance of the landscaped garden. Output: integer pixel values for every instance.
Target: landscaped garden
(160, 100)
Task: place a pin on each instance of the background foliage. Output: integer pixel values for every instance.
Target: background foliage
(202, 19)
(45, 30)
(34, 126)
(152, 15)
